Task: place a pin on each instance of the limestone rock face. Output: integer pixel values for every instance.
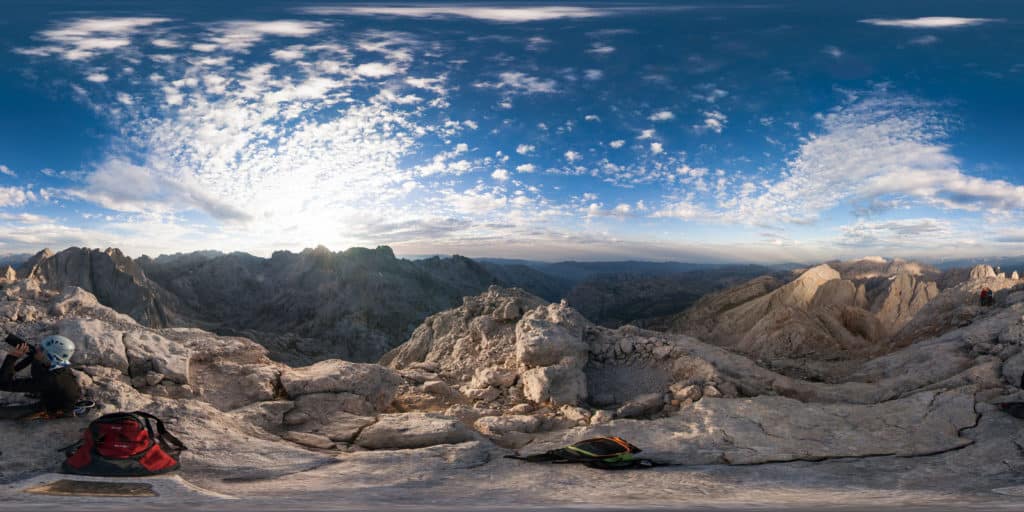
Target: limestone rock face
(550, 335)
(148, 351)
(8, 275)
(374, 383)
(906, 297)
(412, 430)
(848, 312)
(559, 384)
(777, 429)
(96, 344)
(980, 272)
(114, 279)
(464, 339)
(1013, 370)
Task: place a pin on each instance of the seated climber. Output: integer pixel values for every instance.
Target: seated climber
(51, 380)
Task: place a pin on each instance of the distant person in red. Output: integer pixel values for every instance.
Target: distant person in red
(986, 298)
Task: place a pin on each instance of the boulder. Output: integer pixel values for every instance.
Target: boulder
(148, 351)
(643, 405)
(690, 392)
(550, 335)
(375, 383)
(268, 416)
(494, 377)
(437, 387)
(412, 430)
(96, 343)
(576, 414)
(321, 409)
(310, 440)
(1013, 370)
(501, 425)
(344, 428)
(559, 384)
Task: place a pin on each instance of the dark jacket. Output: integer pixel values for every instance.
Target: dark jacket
(58, 390)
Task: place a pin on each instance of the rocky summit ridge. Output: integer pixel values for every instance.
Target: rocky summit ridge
(507, 370)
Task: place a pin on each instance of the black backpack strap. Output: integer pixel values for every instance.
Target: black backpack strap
(164, 436)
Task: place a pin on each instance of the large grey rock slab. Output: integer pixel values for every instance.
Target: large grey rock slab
(778, 429)
(96, 343)
(550, 335)
(1013, 370)
(412, 430)
(148, 351)
(320, 409)
(375, 383)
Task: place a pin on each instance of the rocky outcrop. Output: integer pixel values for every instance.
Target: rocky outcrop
(113, 278)
(508, 370)
(318, 304)
(906, 296)
(777, 429)
(849, 312)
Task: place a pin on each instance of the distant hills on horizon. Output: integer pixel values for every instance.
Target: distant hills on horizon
(574, 269)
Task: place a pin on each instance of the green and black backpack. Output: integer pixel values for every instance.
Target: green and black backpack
(599, 452)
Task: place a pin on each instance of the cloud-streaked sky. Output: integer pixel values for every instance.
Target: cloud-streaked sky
(736, 131)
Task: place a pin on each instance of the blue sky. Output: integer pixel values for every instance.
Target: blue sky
(719, 131)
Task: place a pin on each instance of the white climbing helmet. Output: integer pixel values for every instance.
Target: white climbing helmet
(58, 348)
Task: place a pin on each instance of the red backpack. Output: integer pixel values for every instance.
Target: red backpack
(124, 444)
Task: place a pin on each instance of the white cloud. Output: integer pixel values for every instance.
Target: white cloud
(928, 22)
(98, 78)
(125, 99)
(537, 43)
(239, 36)
(924, 40)
(7, 171)
(646, 134)
(656, 148)
(435, 85)
(165, 43)
(477, 202)
(663, 115)
(84, 38)
(591, 117)
(713, 121)
(500, 174)
(15, 196)
(526, 168)
(572, 156)
(122, 186)
(916, 232)
(880, 146)
(834, 51)
(684, 210)
(593, 74)
(525, 149)
(616, 144)
(377, 69)
(486, 13)
(601, 49)
(287, 54)
(520, 82)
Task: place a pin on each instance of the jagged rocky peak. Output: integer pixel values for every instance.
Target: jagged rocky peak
(979, 272)
(834, 311)
(109, 275)
(876, 266)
